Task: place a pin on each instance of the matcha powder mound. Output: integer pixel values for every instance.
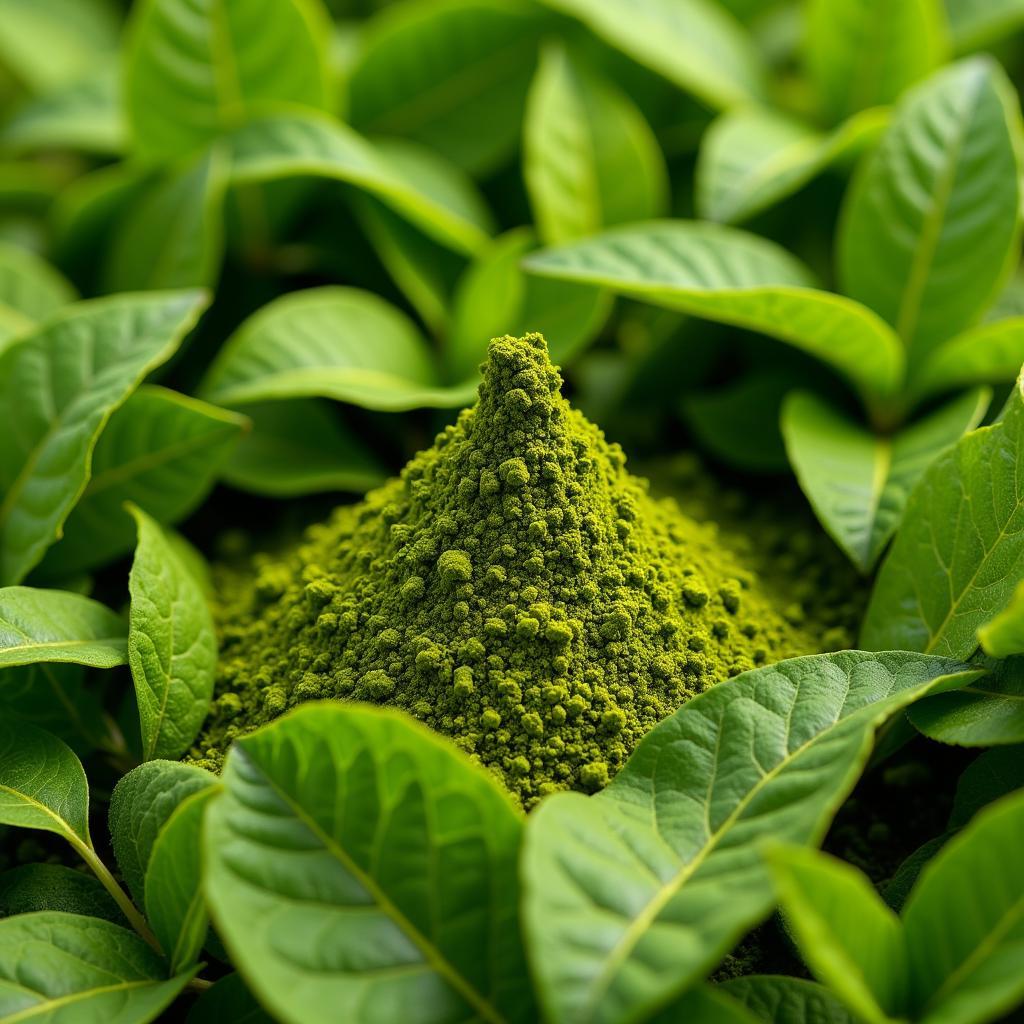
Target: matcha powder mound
(515, 588)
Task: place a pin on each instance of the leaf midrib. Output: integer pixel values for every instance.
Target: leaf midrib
(49, 1005)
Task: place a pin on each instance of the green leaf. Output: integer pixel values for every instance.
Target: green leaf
(42, 783)
(298, 446)
(930, 224)
(172, 648)
(751, 158)
(192, 74)
(590, 160)
(228, 1000)
(451, 74)
(175, 907)
(33, 887)
(30, 289)
(976, 23)
(60, 385)
(162, 451)
(65, 967)
(494, 298)
(857, 481)
(960, 552)
(694, 43)
(56, 626)
(865, 54)
(964, 922)
(776, 999)
(990, 353)
(305, 144)
(734, 277)
(704, 1004)
(313, 343)
(318, 842)
(850, 939)
(989, 776)
(142, 802)
(635, 893)
(172, 236)
(1003, 635)
(988, 713)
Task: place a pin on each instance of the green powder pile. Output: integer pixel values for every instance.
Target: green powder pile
(515, 588)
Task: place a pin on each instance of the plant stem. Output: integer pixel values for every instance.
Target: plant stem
(199, 985)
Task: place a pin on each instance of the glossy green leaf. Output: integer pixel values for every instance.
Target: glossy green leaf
(32, 887)
(751, 158)
(30, 290)
(228, 1000)
(172, 236)
(635, 893)
(590, 159)
(175, 907)
(57, 967)
(298, 446)
(314, 343)
(865, 54)
(1004, 635)
(850, 939)
(194, 73)
(60, 385)
(991, 775)
(734, 277)
(696, 44)
(704, 1004)
(990, 353)
(318, 841)
(857, 481)
(305, 144)
(960, 553)
(777, 999)
(495, 298)
(930, 224)
(162, 451)
(451, 74)
(988, 713)
(974, 23)
(56, 626)
(142, 802)
(172, 648)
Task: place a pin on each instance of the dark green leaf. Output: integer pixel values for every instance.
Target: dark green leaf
(989, 776)
(1004, 635)
(776, 999)
(30, 289)
(228, 1000)
(33, 887)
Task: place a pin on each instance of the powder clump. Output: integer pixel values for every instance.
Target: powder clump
(515, 588)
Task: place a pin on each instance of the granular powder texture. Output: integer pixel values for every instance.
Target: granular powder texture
(515, 588)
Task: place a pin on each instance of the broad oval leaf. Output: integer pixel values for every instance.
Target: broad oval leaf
(960, 553)
(175, 907)
(39, 625)
(1003, 635)
(858, 481)
(172, 648)
(751, 158)
(590, 160)
(62, 967)
(318, 844)
(778, 999)
(60, 385)
(42, 783)
(864, 54)
(633, 894)
(991, 775)
(160, 450)
(194, 73)
(696, 44)
(930, 224)
(30, 290)
(314, 343)
(451, 74)
(734, 277)
(306, 144)
(142, 802)
(29, 888)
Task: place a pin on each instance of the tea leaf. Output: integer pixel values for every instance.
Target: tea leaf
(777, 999)
(635, 893)
(1004, 635)
(172, 648)
(857, 481)
(56, 966)
(33, 887)
(318, 840)
(192, 74)
(590, 159)
(30, 289)
(991, 775)
(930, 224)
(60, 384)
(56, 626)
